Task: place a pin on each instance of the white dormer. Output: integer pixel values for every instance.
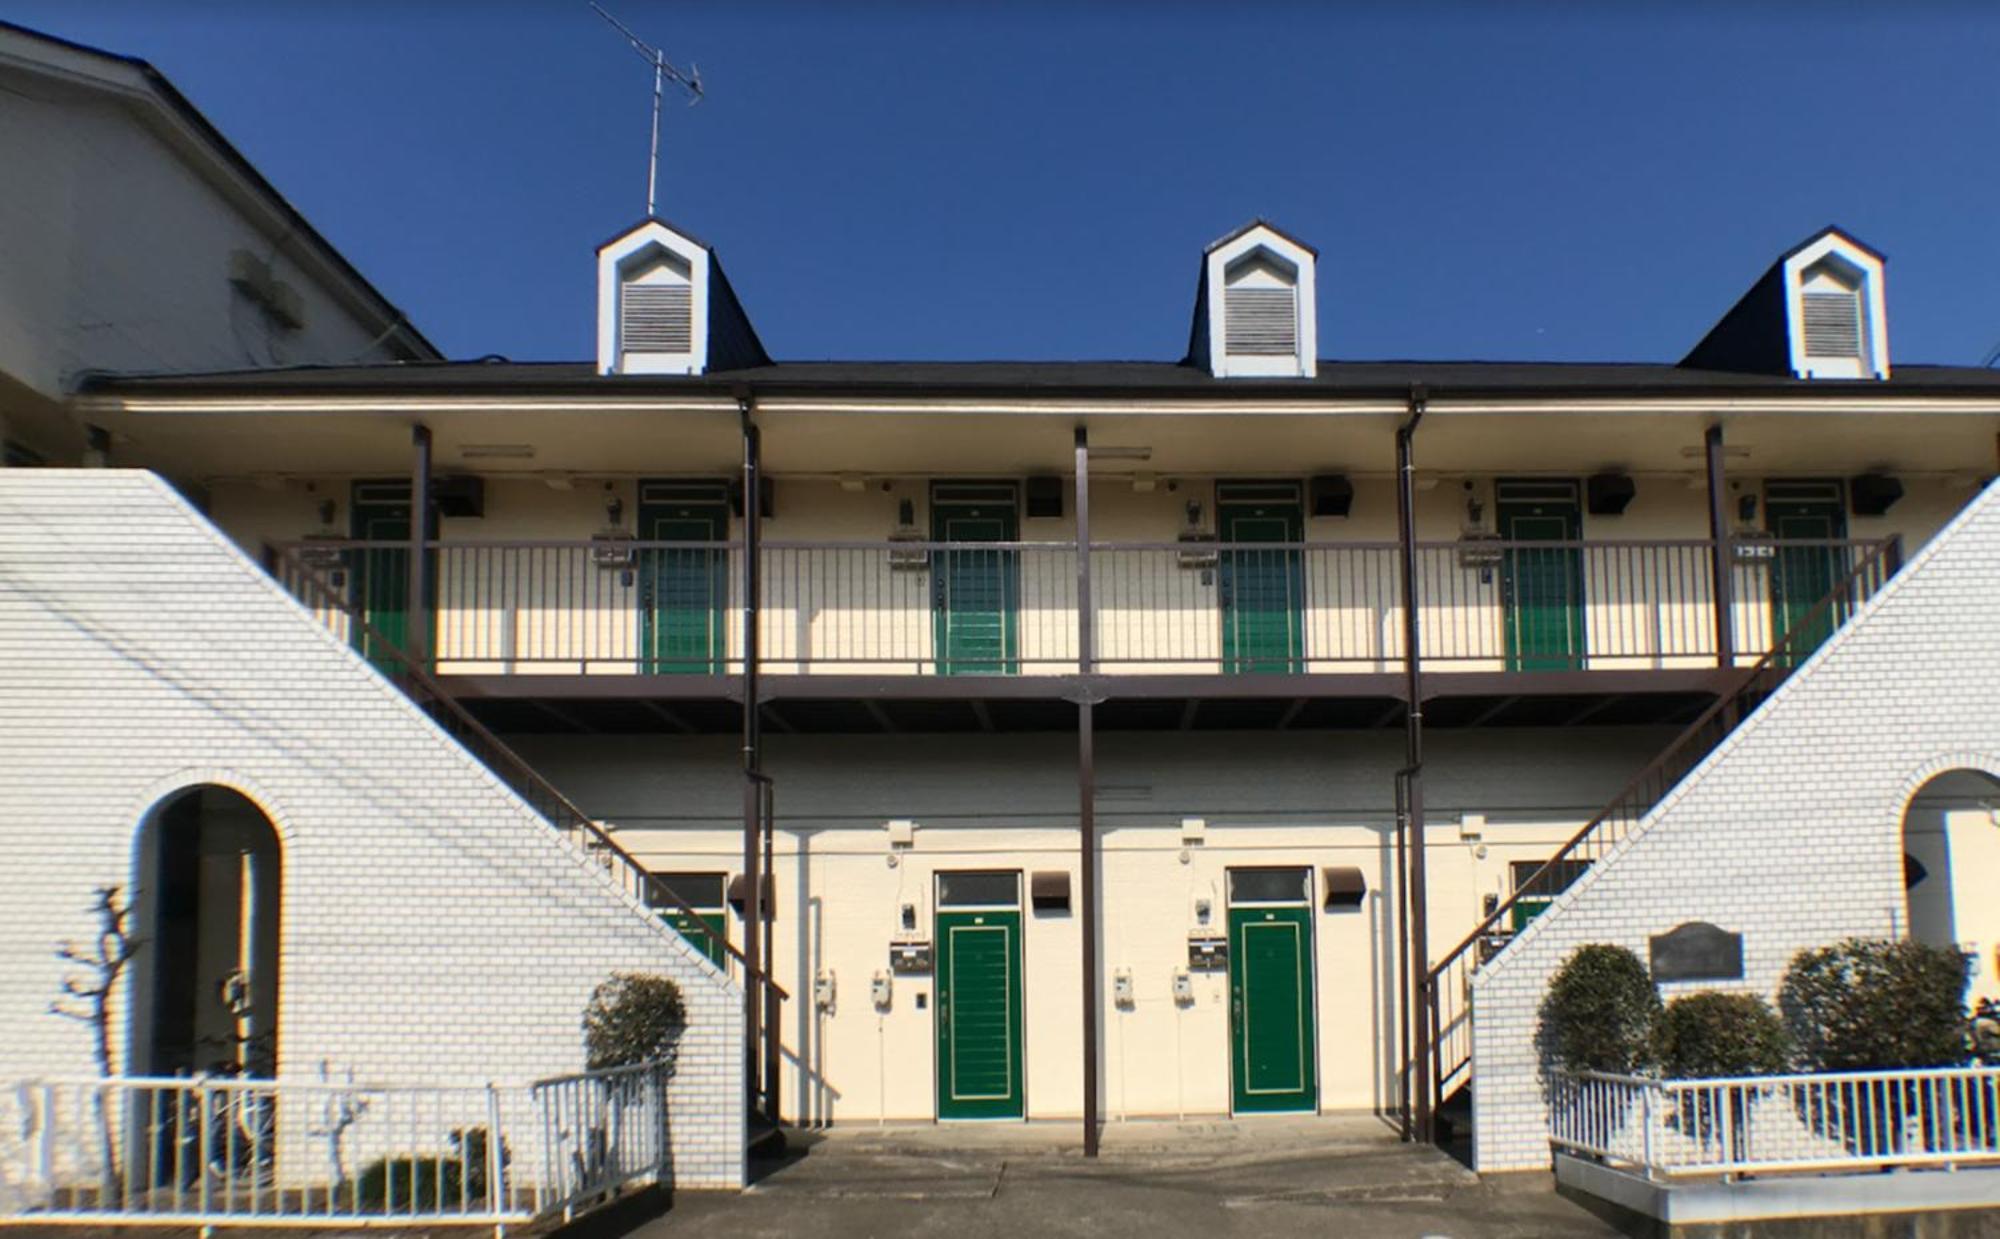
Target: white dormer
(652, 302)
(1257, 311)
(1816, 313)
(1834, 311)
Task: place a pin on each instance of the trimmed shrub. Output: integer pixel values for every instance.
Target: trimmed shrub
(452, 1182)
(1871, 1004)
(1711, 1034)
(633, 1017)
(1600, 1010)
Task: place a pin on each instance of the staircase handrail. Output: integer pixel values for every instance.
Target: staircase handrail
(1779, 653)
(1763, 676)
(517, 772)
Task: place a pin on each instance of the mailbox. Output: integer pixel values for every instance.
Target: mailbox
(1207, 952)
(909, 957)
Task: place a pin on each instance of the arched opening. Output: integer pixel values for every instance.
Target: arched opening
(207, 889)
(1951, 861)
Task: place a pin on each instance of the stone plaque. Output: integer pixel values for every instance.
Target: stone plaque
(1697, 951)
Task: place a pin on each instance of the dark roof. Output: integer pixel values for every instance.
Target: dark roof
(228, 151)
(1053, 378)
(1753, 336)
(663, 222)
(1259, 222)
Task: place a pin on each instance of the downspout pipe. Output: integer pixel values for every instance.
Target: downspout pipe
(1416, 960)
(755, 965)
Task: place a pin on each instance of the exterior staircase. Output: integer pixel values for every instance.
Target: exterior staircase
(1445, 1008)
(308, 582)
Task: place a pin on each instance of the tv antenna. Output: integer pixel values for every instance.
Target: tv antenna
(663, 72)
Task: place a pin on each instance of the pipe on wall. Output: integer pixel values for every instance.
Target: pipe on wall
(1416, 931)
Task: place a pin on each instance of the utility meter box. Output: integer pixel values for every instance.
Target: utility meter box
(1208, 952)
(880, 989)
(910, 956)
(1183, 988)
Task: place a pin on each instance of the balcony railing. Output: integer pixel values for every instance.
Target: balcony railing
(1010, 608)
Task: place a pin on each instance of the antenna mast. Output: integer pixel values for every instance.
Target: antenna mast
(663, 72)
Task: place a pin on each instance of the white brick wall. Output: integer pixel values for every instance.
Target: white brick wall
(433, 929)
(1790, 833)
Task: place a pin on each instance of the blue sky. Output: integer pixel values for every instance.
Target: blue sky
(1561, 182)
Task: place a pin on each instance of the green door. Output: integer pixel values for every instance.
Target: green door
(1802, 575)
(978, 961)
(975, 589)
(683, 590)
(1272, 1065)
(1541, 587)
(1262, 592)
(379, 512)
(707, 927)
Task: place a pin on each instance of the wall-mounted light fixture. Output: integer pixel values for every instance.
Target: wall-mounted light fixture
(318, 551)
(611, 547)
(1476, 543)
(907, 558)
(1749, 544)
(1197, 544)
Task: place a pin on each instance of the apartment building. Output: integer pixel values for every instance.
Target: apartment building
(1123, 739)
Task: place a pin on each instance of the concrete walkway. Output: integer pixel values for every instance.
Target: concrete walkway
(1153, 1180)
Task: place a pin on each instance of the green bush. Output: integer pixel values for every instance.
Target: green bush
(633, 1017)
(452, 1182)
(1600, 1011)
(1870, 1004)
(1709, 1035)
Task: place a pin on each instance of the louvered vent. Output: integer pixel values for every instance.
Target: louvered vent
(1833, 324)
(1261, 322)
(657, 318)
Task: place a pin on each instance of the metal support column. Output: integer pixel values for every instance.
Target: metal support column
(754, 963)
(417, 639)
(1086, 790)
(1722, 560)
(1412, 774)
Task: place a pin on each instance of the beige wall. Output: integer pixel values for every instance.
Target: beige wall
(1009, 802)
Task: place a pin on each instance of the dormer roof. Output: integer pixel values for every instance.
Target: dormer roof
(1256, 306)
(1819, 312)
(664, 306)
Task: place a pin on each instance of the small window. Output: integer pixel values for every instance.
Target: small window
(1531, 900)
(656, 318)
(1269, 886)
(700, 891)
(979, 890)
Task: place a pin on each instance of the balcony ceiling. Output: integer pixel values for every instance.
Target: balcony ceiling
(211, 445)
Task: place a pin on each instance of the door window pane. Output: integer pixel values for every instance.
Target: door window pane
(702, 891)
(1268, 885)
(981, 890)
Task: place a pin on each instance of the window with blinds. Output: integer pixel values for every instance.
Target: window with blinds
(656, 318)
(1261, 322)
(1833, 324)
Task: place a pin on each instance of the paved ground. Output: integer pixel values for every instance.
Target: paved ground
(1274, 1177)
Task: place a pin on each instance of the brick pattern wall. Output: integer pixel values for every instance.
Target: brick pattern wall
(433, 928)
(1790, 833)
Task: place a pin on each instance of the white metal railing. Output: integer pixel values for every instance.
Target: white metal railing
(1763, 1124)
(212, 1151)
(599, 1131)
